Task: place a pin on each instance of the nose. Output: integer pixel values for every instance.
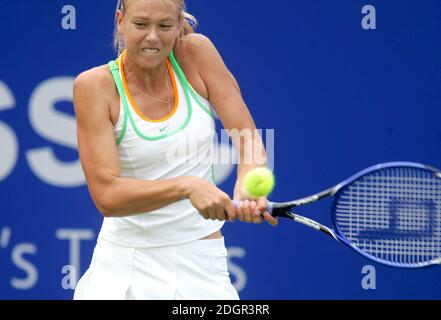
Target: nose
(152, 34)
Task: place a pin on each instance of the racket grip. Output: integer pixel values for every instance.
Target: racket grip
(269, 208)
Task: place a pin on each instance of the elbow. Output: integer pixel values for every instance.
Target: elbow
(105, 212)
(104, 198)
(106, 206)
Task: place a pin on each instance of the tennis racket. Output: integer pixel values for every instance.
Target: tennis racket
(389, 213)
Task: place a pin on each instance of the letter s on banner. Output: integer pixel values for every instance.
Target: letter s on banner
(57, 127)
(8, 139)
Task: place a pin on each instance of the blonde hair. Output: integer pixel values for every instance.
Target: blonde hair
(190, 22)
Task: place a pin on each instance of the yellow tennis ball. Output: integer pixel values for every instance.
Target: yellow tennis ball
(259, 182)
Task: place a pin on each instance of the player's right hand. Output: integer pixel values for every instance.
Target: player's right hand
(211, 202)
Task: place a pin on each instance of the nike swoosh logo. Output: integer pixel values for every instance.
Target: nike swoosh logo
(163, 128)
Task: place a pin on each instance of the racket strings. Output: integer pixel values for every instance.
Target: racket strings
(393, 214)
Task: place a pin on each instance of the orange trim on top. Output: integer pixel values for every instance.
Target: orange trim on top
(132, 102)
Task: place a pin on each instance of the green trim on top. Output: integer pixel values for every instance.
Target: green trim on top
(195, 95)
(212, 174)
(118, 81)
(182, 127)
(187, 86)
(114, 69)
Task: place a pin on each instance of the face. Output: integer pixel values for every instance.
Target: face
(149, 29)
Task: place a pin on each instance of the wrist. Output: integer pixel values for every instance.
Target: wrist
(238, 191)
(243, 169)
(186, 185)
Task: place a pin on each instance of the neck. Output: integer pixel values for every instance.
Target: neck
(147, 78)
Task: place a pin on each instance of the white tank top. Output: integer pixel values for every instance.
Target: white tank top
(181, 144)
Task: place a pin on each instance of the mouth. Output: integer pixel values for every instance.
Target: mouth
(151, 51)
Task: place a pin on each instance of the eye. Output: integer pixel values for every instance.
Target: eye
(165, 26)
(140, 24)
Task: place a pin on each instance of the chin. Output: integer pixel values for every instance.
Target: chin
(151, 62)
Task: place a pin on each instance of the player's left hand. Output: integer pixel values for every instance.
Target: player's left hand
(253, 210)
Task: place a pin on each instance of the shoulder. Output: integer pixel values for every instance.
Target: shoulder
(195, 48)
(191, 54)
(194, 42)
(95, 85)
(95, 78)
(94, 90)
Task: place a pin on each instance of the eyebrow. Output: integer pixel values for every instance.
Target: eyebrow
(148, 19)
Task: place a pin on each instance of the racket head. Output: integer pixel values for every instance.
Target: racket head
(391, 213)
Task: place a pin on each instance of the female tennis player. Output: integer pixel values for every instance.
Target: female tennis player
(161, 236)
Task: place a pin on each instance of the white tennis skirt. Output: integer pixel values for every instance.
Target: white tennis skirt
(193, 271)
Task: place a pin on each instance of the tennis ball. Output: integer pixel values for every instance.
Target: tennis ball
(258, 182)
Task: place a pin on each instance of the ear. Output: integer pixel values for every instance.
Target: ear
(181, 20)
(119, 21)
(181, 25)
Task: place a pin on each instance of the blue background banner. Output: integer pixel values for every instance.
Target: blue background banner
(339, 97)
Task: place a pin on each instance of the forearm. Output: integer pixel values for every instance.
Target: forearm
(125, 196)
(252, 154)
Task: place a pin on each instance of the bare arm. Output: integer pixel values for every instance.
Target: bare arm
(114, 195)
(224, 94)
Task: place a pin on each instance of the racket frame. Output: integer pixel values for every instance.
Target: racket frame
(284, 209)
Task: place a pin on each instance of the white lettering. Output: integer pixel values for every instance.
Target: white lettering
(369, 281)
(57, 127)
(70, 20)
(236, 271)
(8, 139)
(369, 21)
(74, 236)
(32, 273)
